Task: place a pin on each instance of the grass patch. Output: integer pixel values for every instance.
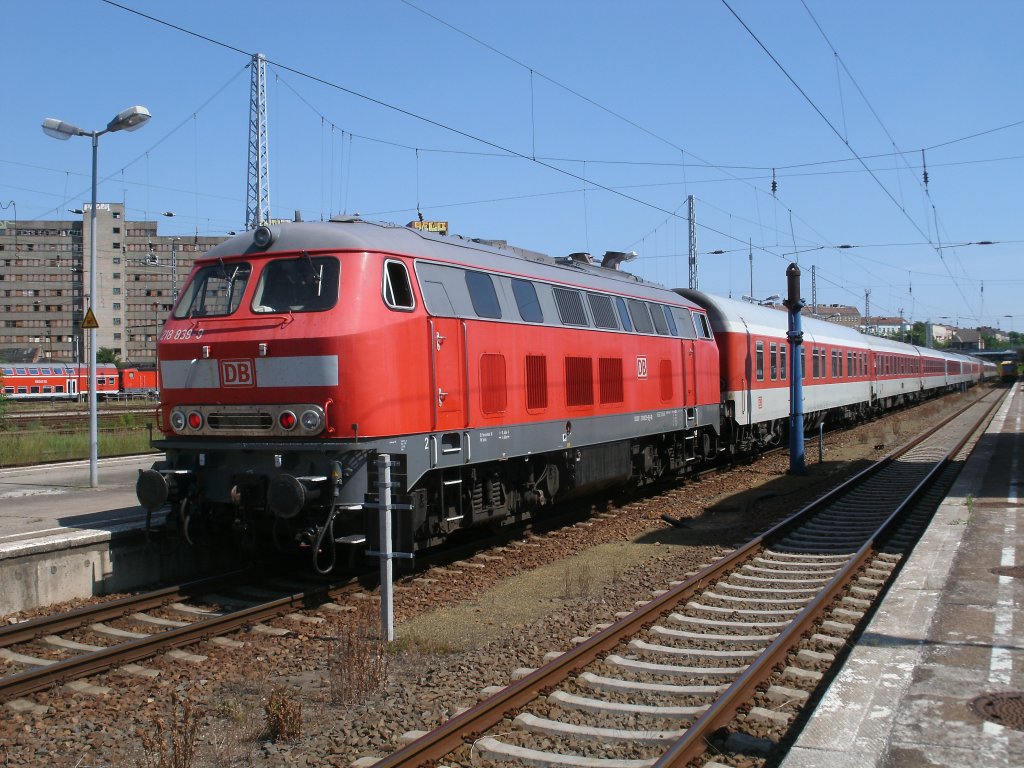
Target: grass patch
(35, 445)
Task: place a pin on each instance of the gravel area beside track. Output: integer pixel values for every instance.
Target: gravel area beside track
(461, 629)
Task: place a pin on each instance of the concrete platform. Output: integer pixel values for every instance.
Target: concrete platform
(949, 630)
(61, 539)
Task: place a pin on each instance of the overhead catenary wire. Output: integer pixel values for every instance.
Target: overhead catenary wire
(848, 145)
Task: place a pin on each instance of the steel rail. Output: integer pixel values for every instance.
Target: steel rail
(37, 679)
(474, 722)
(694, 742)
(26, 631)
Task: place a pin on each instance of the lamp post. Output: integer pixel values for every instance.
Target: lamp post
(156, 328)
(125, 120)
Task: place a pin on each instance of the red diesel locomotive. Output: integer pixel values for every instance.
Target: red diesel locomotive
(499, 380)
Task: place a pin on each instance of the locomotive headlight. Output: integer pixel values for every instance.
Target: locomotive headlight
(195, 420)
(287, 420)
(177, 421)
(262, 236)
(311, 421)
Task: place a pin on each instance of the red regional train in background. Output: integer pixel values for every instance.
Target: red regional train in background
(498, 380)
(68, 381)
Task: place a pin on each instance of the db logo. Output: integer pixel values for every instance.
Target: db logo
(641, 367)
(237, 373)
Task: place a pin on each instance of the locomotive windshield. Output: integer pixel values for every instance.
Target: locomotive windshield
(302, 284)
(215, 290)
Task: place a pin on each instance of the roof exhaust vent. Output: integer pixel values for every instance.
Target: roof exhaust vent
(612, 259)
(582, 258)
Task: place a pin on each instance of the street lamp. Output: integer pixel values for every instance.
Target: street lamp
(125, 120)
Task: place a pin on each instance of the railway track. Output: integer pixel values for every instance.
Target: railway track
(726, 660)
(50, 650)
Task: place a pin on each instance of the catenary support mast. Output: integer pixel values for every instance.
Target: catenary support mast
(257, 210)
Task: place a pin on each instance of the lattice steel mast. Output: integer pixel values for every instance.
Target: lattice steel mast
(258, 199)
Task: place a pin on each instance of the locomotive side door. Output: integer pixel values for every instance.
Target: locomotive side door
(690, 372)
(448, 366)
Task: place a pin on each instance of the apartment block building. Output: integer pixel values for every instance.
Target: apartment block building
(44, 284)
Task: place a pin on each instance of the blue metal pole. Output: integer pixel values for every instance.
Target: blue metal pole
(795, 336)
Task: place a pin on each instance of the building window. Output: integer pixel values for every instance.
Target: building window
(117, 305)
(117, 291)
(117, 321)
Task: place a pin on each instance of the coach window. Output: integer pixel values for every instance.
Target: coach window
(527, 301)
(397, 286)
(783, 371)
(483, 295)
(641, 317)
(620, 305)
(759, 359)
(773, 360)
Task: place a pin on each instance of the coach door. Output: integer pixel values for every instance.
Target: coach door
(448, 368)
(72, 386)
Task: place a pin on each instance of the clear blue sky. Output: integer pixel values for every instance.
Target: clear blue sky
(630, 108)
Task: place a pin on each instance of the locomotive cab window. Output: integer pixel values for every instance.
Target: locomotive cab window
(483, 295)
(397, 286)
(700, 322)
(300, 284)
(641, 316)
(620, 305)
(658, 316)
(215, 290)
(527, 302)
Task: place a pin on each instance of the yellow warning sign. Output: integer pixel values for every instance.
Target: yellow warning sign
(89, 322)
